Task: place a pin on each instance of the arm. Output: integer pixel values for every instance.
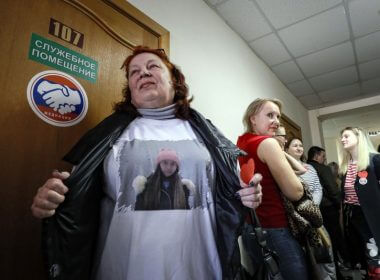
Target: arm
(295, 164)
(269, 152)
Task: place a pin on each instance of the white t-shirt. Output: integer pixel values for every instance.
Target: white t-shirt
(168, 244)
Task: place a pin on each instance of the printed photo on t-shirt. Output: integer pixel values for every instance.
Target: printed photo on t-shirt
(171, 175)
(164, 189)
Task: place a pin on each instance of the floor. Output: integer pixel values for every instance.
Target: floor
(354, 274)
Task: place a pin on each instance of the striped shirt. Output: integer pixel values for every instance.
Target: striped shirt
(350, 196)
(312, 180)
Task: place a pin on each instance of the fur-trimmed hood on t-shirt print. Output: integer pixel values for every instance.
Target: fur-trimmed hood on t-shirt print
(164, 188)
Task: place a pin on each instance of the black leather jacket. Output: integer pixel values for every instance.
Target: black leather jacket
(69, 237)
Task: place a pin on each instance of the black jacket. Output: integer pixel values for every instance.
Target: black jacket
(69, 237)
(369, 195)
(331, 194)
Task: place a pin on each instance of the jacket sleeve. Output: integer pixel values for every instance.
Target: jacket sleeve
(330, 188)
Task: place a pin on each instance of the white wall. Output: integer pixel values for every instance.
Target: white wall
(331, 149)
(222, 72)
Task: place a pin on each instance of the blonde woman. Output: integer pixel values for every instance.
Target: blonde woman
(360, 166)
(261, 120)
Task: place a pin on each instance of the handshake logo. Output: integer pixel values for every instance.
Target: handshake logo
(59, 97)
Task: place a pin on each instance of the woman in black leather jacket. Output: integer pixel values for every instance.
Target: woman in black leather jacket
(91, 230)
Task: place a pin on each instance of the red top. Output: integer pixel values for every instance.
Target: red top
(271, 211)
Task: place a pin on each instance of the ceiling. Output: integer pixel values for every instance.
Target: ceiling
(326, 52)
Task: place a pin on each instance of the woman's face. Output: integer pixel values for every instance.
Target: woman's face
(295, 149)
(150, 82)
(266, 121)
(168, 167)
(349, 140)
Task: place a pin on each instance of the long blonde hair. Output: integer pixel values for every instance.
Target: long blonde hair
(364, 145)
(254, 108)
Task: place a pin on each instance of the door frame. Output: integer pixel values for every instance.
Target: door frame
(129, 11)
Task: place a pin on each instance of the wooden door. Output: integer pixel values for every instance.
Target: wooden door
(30, 147)
(292, 129)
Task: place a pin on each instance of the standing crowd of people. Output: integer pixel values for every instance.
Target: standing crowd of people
(155, 193)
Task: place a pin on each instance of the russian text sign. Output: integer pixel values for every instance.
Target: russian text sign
(59, 57)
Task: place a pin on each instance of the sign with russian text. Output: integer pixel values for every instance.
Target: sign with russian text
(57, 98)
(66, 33)
(61, 58)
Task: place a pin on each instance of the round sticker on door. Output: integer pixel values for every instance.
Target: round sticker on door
(57, 98)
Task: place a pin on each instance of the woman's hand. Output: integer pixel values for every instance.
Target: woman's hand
(296, 165)
(251, 194)
(50, 195)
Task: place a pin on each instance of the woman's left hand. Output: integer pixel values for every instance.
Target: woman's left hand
(251, 194)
